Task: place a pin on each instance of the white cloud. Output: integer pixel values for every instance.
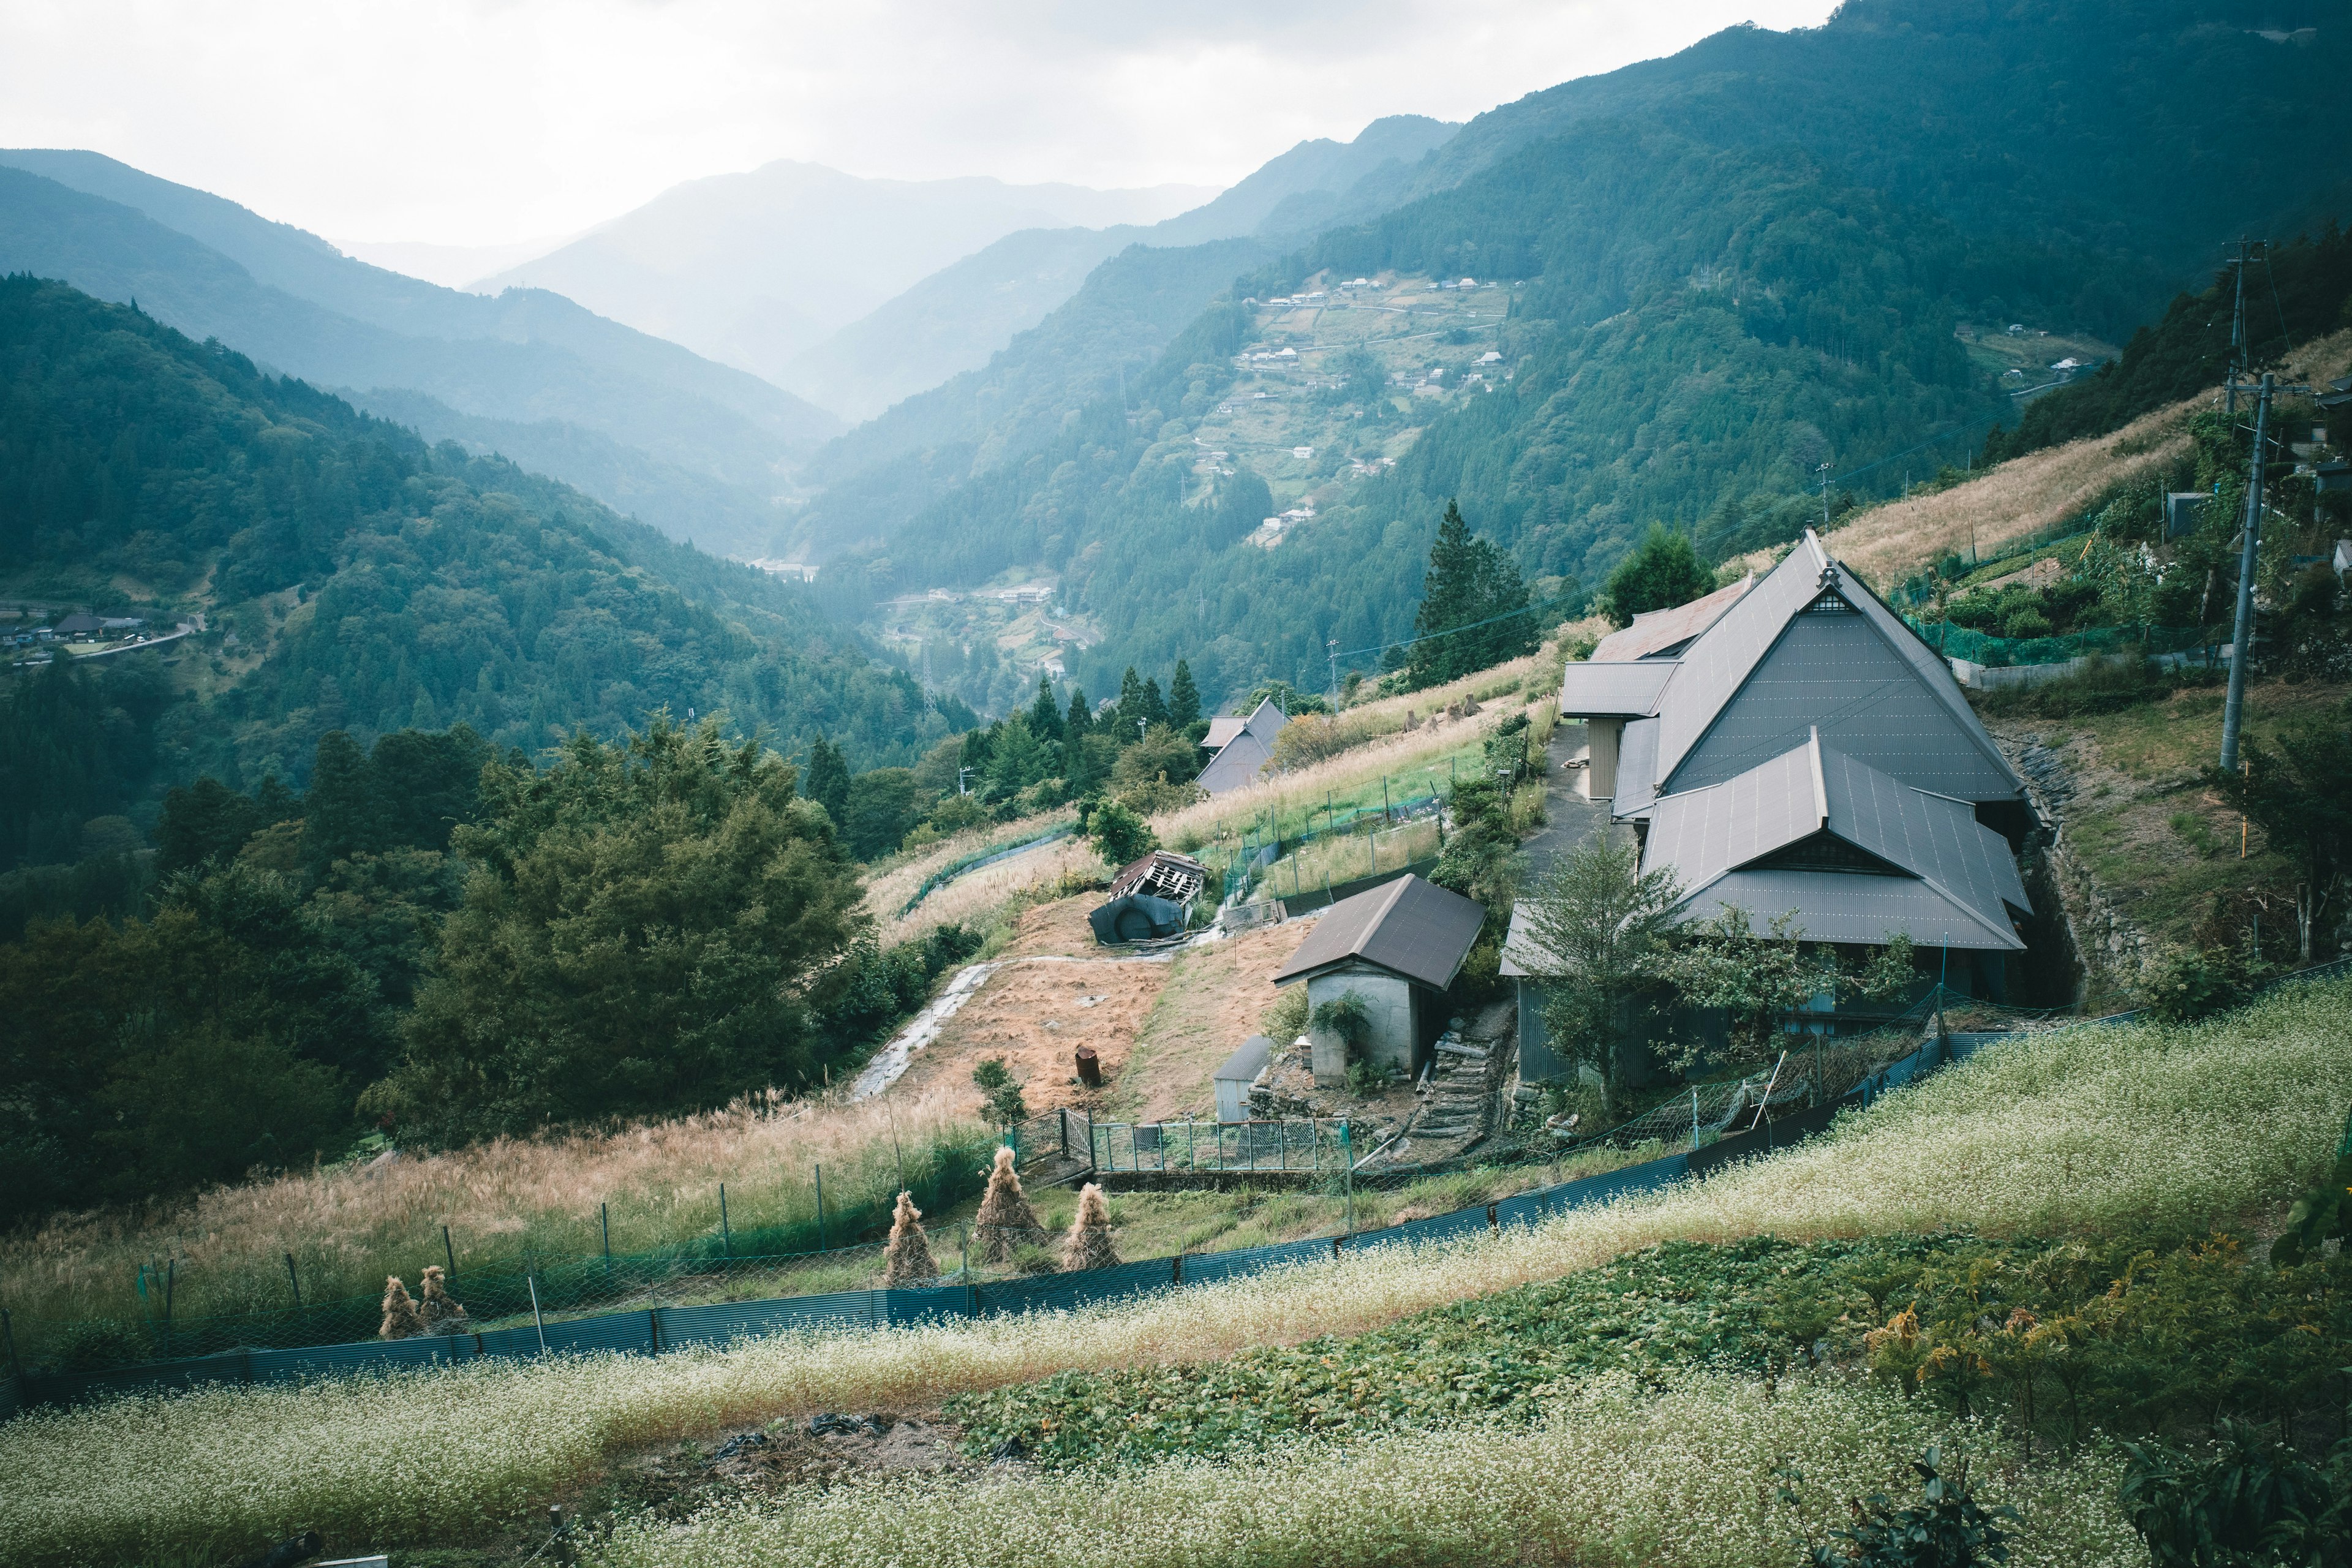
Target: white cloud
(478, 121)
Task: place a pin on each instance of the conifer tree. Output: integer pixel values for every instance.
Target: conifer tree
(1005, 1223)
(1183, 699)
(1469, 583)
(908, 1259)
(339, 814)
(400, 1318)
(827, 782)
(1155, 707)
(1089, 1245)
(1045, 718)
(1130, 706)
(1080, 720)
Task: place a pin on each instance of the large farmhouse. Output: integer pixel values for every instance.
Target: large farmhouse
(1789, 744)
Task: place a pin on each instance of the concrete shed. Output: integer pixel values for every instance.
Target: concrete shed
(1395, 948)
(1240, 1072)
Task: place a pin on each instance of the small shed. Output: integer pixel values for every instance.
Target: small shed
(1395, 949)
(1240, 1072)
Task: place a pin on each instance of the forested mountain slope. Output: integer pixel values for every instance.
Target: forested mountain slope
(643, 407)
(1730, 275)
(352, 578)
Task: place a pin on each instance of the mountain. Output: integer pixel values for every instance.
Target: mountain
(642, 407)
(350, 577)
(752, 269)
(954, 319)
(1719, 272)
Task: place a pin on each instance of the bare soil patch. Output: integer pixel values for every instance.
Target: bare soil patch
(1210, 1003)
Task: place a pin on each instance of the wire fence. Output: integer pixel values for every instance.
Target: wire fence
(1485, 1197)
(834, 1248)
(1995, 652)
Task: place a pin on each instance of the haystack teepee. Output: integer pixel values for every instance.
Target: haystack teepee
(1005, 1222)
(1088, 1245)
(400, 1318)
(439, 1313)
(907, 1260)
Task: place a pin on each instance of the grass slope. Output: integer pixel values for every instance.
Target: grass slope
(2070, 1131)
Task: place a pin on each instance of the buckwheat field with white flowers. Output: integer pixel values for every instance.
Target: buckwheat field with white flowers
(2064, 1134)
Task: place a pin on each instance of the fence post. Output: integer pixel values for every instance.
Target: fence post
(171, 1275)
(820, 1208)
(726, 1236)
(448, 1254)
(537, 1322)
(8, 1333)
(292, 1279)
(1348, 1159)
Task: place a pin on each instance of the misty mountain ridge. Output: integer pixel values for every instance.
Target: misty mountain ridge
(724, 264)
(634, 404)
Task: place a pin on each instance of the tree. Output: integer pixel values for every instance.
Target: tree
(2301, 797)
(1079, 721)
(880, 811)
(1663, 573)
(1120, 835)
(1017, 759)
(340, 816)
(205, 822)
(1183, 699)
(1759, 979)
(653, 929)
(828, 780)
(1470, 585)
(1595, 932)
(1129, 708)
(1481, 858)
(1045, 718)
(1000, 1100)
(1155, 707)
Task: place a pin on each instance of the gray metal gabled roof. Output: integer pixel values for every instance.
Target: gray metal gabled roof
(1637, 769)
(1629, 690)
(1933, 836)
(1408, 926)
(1943, 733)
(1956, 883)
(1715, 666)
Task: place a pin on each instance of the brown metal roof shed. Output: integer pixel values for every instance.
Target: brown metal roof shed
(1413, 928)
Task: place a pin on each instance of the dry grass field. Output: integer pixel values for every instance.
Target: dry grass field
(2027, 495)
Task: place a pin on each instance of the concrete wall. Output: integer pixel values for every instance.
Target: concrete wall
(1395, 1012)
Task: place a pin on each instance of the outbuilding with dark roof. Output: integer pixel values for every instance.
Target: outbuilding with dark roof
(1395, 949)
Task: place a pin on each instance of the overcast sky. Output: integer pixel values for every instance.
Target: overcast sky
(488, 122)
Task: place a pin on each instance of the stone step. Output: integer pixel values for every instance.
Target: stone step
(1474, 1052)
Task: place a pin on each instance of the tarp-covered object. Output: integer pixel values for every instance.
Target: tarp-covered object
(1138, 916)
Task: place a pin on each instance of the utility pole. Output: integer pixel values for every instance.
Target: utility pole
(1824, 471)
(1333, 645)
(2233, 711)
(2246, 249)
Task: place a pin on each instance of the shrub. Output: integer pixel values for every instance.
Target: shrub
(1000, 1099)
(1947, 1529)
(1344, 1015)
(1119, 834)
(2198, 984)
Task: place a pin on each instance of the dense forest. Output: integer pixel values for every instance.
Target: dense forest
(352, 578)
(1740, 263)
(1700, 331)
